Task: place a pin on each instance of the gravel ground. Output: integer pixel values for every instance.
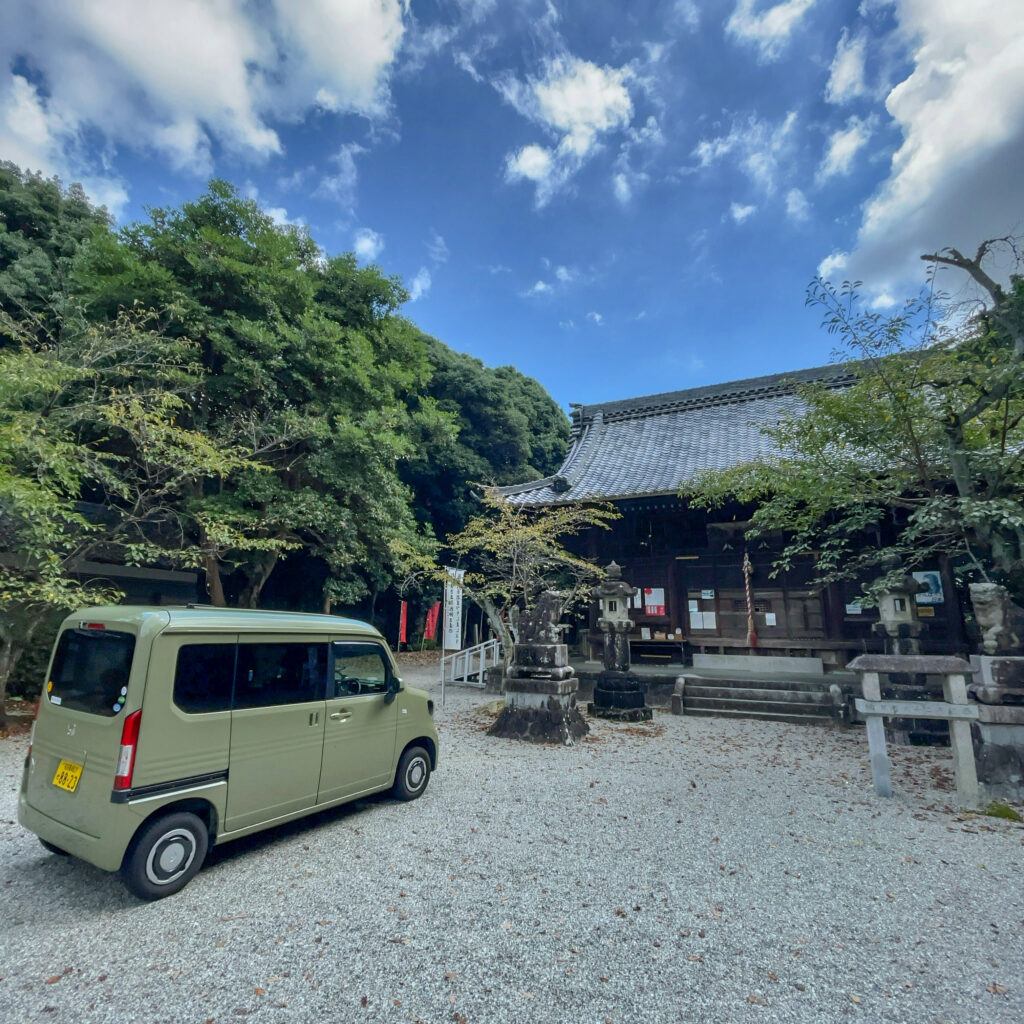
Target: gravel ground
(690, 869)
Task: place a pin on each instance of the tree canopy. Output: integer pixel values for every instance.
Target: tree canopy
(924, 454)
(235, 400)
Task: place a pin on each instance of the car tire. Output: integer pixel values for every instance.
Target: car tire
(54, 849)
(413, 774)
(165, 855)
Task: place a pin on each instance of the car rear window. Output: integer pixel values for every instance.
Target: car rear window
(203, 677)
(90, 670)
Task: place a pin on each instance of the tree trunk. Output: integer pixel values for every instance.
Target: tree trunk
(214, 584)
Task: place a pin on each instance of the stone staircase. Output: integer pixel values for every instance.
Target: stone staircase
(780, 689)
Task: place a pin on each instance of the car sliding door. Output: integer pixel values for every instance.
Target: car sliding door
(277, 728)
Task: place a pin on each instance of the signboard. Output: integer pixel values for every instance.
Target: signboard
(707, 595)
(453, 609)
(654, 600)
(403, 623)
(933, 581)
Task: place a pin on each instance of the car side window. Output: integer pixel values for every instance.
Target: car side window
(282, 673)
(359, 668)
(203, 676)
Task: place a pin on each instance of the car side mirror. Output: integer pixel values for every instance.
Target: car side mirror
(394, 685)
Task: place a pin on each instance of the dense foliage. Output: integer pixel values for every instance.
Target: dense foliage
(228, 398)
(923, 456)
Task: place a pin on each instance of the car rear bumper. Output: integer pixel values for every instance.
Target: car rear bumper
(104, 853)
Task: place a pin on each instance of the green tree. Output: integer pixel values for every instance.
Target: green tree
(930, 435)
(95, 416)
(307, 368)
(42, 226)
(512, 553)
(507, 430)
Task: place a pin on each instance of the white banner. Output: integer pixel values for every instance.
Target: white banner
(453, 609)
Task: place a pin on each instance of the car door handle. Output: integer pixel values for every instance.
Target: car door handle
(340, 716)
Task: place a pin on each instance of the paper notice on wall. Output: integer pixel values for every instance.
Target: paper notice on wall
(645, 633)
(654, 601)
(710, 620)
(696, 620)
(637, 600)
(694, 606)
(769, 618)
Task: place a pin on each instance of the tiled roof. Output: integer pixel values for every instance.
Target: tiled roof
(648, 446)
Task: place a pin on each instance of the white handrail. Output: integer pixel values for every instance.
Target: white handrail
(459, 665)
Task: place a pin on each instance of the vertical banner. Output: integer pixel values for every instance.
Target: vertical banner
(403, 623)
(453, 609)
(430, 629)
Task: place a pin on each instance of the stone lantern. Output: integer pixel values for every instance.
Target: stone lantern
(898, 622)
(612, 596)
(618, 693)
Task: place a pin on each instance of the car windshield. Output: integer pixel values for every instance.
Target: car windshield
(90, 670)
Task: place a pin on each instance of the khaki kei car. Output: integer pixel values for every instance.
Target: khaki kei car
(164, 731)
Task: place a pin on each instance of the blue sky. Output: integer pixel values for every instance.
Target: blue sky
(617, 198)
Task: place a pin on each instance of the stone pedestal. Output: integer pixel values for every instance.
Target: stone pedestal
(541, 711)
(999, 732)
(540, 685)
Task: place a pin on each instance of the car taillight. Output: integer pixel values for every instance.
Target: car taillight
(129, 745)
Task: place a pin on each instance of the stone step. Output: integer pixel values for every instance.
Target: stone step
(773, 716)
(818, 685)
(754, 706)
(760, 693)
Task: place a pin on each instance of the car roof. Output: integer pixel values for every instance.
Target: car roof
(208, 619)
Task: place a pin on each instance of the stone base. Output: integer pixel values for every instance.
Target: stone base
(556, 720)
(621, 714)
(999, 752)
(998, 679)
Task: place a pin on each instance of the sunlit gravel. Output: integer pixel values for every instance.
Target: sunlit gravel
(689, 869)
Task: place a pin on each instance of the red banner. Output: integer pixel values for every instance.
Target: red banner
(430, 630)
(403, 623)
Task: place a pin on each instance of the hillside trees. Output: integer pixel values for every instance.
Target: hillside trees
(927, 445)
(334, 412)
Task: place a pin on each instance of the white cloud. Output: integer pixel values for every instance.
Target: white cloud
(757, 146)
(833, 265)
(846, 75)
(368, 244)
(40, 137)
(341, 187)
(797, 207)
(420, 284)
(843, 145)
(576, 101)
(740, 213)
(768, 30)
(596, 318)
(566, 275)
(955, 179)
(185, 78)
(539, 288)
(687, 12)
(622, 188)
(437, 249)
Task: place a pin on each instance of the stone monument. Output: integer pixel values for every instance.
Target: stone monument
(618, 693)
(540, 685)
(999, 689)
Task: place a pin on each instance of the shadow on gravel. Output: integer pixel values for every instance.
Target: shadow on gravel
(271, 837)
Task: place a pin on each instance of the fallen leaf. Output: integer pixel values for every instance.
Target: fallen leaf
(855, 999)
(696, 958)
(996, 989)
(257, 991)
(364, 1001)
(757, 1000)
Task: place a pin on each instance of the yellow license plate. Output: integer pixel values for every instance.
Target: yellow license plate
(68, 774)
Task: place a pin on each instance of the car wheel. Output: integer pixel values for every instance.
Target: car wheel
(165, 855)
(413, 774)
(53, 849)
